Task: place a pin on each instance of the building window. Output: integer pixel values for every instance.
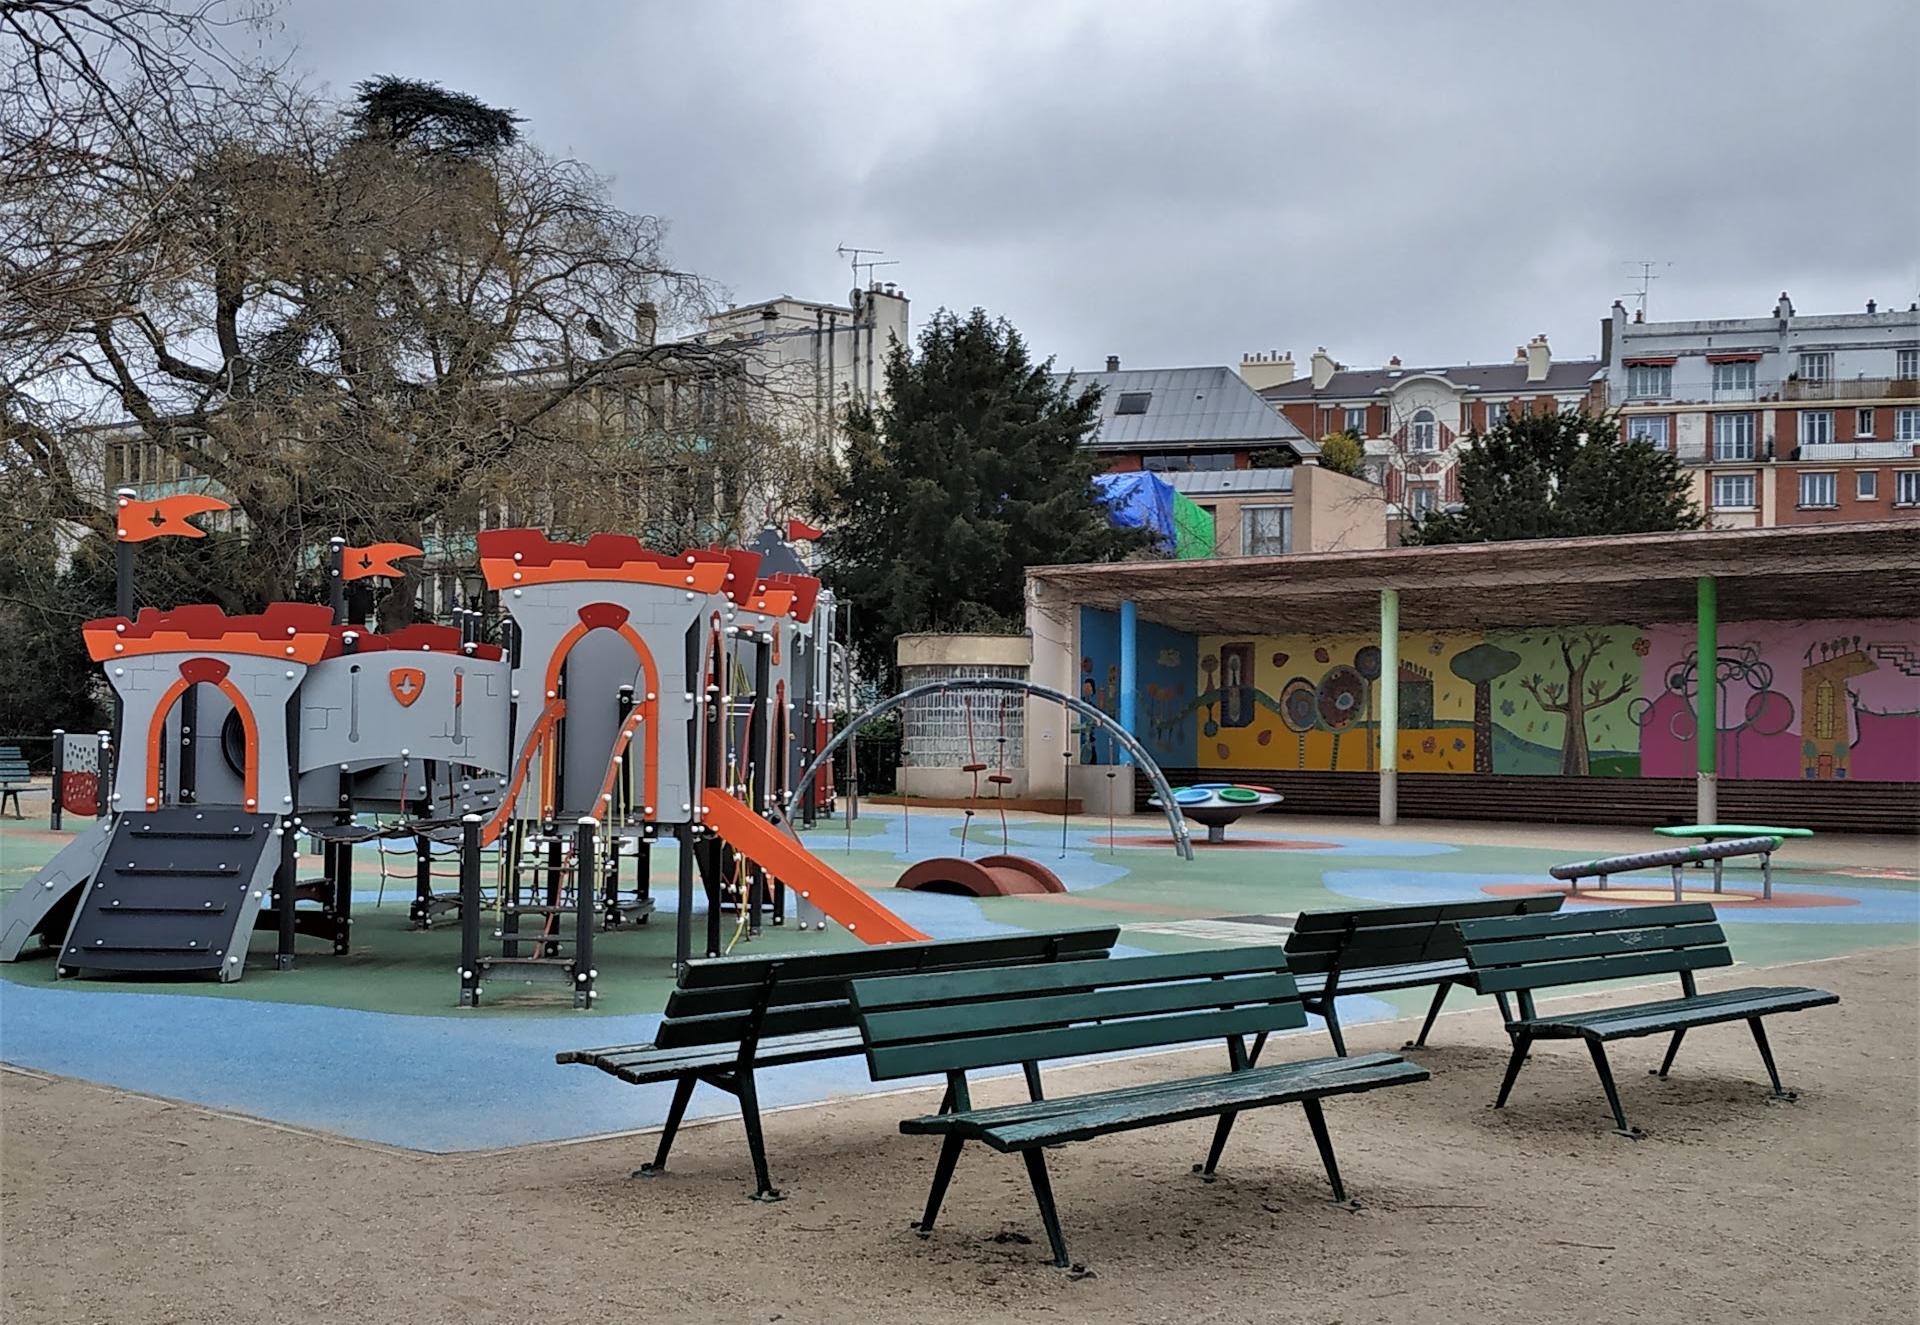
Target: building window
(1733, 381)
(1816, 427)
(1421, 499)
(1357, 420)
(1266, 531)
(1132, 402)
(1496, 414)
(1733, 437)
(1424, 435)
(1650, 380)
(1863, 423)
(1819, 490)
(1906, 487)
(1649, 428)
(1866, 485)
(1816, 367)
(1908, 365)
(1906, 425)
(1176, 462)
(1732, 492)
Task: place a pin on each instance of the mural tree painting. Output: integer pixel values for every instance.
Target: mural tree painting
(1573, 698)
(1481, 666)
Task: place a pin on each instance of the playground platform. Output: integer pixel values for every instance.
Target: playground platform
(371, 1046)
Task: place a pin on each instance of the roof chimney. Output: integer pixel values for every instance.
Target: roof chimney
(1394, 362)
(1261, 371)
(1323, 367)
(1113, 363)
(1783, 309)
(1539, 358)
(1519, 354)
(1872, 306)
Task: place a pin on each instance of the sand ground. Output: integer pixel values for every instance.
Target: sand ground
(122, 1209)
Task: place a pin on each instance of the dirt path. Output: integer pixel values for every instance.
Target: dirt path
(123, 1210)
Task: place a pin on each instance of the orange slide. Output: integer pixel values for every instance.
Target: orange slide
(805, 873)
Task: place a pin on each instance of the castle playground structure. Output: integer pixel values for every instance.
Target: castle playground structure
(628, 695)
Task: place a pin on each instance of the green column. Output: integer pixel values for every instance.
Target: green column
(1707, 688)
(1389, 706)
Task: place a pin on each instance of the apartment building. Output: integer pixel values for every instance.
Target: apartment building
(1787, 419)
(1411, 418)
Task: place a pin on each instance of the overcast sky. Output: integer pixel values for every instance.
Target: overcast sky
(1182, 182)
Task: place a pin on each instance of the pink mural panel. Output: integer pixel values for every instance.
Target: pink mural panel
(1820, 700)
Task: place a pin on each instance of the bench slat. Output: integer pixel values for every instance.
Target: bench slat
(852, 963)
(1509, 979)
(945, 1021)
(1675, 1014)
(1563, 947)
(1500, 929)
(1200, 1098)
(729, 1028)
(1070, 977)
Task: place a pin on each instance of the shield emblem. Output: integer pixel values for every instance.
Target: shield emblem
(406, 683)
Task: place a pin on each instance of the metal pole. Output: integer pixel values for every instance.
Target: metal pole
(470, 911)
(585, 899)
(336, 579)
(1707, 711)
(122, 606)
(59, 775)
(1389, 707)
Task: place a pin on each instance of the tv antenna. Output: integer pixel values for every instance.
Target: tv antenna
(1647, 277)
(854, 254)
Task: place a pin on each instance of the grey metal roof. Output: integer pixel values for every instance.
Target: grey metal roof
(1229, 482)
(1488, 378)
(1188, 407)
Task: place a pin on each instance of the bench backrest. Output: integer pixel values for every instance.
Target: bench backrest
(962, 1020)
(1376, 936)
(1523, 953)
(723, 999)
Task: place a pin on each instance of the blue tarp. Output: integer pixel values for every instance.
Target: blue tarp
(1140, 501)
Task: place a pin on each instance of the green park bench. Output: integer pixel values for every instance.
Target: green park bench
(730, 1016)
(15, 777)
(959, 1022)
(1377, 949)
(1520, 954)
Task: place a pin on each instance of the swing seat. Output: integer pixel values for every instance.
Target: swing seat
(1000, 779)
(973, 768)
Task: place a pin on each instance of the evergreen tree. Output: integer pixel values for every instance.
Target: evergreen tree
(973, 469)
(1563, 475)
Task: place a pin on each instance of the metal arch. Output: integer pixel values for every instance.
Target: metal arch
(1182, 843)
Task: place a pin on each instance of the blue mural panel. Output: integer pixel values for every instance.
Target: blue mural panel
(1163, 708)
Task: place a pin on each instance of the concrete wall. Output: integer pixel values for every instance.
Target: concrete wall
(1336, 512)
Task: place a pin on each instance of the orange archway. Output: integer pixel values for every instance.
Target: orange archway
(213, 672)
(607, 616)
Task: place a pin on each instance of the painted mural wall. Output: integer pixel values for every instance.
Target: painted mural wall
(1815, 700)
(1164, 709)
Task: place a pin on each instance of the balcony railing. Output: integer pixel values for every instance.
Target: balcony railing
(1852, 388)
(1858, 450)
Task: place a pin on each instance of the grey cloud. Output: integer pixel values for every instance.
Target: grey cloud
(1178, 184)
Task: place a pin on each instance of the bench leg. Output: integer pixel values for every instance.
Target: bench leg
(750, 1115)
(1259, 1043)
(942, 1176)
(1599, 1052)
(1673, 1047)
(1221, 1131)
(1766, 1056)
(682, 1092)
(1521, 1044)
(1032, 1071)
(1043, 1197)
(1318, 1122)
(1439, 997)
(1332, 1016)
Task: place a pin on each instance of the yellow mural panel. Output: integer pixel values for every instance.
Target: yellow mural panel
(1313, 702)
